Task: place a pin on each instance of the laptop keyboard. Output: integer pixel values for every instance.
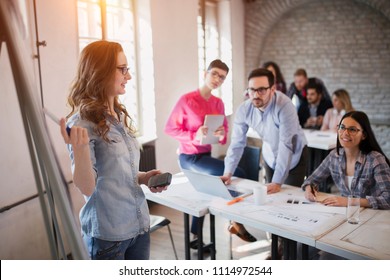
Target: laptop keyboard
(235, 193)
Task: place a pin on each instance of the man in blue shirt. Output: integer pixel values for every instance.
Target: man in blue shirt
(273, 116)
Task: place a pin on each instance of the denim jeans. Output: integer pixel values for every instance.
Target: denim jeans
(204, 163)
(137, 248)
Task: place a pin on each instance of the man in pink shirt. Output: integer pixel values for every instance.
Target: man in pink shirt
(186, 124)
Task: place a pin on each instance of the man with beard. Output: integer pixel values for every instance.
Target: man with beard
(298, 89)
(312, 110)
(273, 116)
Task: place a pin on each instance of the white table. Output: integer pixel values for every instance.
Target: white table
(311, 224)
(370, 239)
(304, 223)
(323, 140)
(182, 196)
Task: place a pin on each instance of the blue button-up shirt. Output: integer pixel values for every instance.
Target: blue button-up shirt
(117, 209)
(371, 179)
(278, 126)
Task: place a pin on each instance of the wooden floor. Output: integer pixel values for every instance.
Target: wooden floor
(161, 248)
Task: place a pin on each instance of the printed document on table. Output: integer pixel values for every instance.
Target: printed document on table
(296, 202)
(314, 223)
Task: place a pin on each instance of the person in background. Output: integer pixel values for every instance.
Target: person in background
(341, 105)
(312, 110)
(186, 124)
(279, 79)
(105, 157)
(298, 89)
(358, 166)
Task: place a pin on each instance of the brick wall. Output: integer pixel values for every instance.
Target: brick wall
(346, 43)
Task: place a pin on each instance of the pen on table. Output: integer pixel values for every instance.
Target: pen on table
(238, 199)
(55, 119)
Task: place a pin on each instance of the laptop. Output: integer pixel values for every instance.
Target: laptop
(213, 185)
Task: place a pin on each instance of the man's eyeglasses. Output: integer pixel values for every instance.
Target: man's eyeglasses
(351, 130)
(123, 69)
(260, 90)
(215, 74)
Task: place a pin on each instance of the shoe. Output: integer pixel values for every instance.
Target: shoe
(245, 236)
(194, 245)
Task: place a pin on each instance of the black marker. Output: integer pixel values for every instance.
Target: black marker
(55, 119)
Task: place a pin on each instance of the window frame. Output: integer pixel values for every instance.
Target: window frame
(145, 131)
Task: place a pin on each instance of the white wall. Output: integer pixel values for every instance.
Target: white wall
(237, 9)
(22, 233)
(174, 25)
(236, 36)
(175, 47)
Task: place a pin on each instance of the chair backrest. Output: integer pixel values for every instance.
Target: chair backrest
(250, 162)
(157, 222)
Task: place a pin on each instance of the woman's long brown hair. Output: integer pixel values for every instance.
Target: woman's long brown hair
(93, 82)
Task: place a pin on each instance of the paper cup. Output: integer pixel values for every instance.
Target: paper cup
(260, 195)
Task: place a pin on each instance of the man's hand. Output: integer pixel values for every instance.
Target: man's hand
(319, 121)
(311, 122)
(227, 178)
(273, 188)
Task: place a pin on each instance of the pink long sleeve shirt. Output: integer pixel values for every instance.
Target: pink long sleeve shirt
(186, 118)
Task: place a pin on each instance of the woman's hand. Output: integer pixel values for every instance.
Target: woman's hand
(220, 132)
(78, 137)
(83, 174)
(335, 201)
(309, 193)
(201, 132)
(143, 178)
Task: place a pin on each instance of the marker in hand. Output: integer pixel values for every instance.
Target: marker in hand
(55, 119)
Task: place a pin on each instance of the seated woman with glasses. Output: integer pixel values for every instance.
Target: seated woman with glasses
(341, 105)
(358, 166)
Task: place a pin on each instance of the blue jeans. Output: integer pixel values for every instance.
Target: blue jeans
(137, 248)
(204, 163)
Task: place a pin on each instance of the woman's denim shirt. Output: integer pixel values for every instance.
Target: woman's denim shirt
(117, 209)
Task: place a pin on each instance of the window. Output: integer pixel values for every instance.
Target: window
(116, 20)
(214, 41)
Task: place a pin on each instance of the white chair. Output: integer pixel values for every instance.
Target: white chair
(157, 222)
